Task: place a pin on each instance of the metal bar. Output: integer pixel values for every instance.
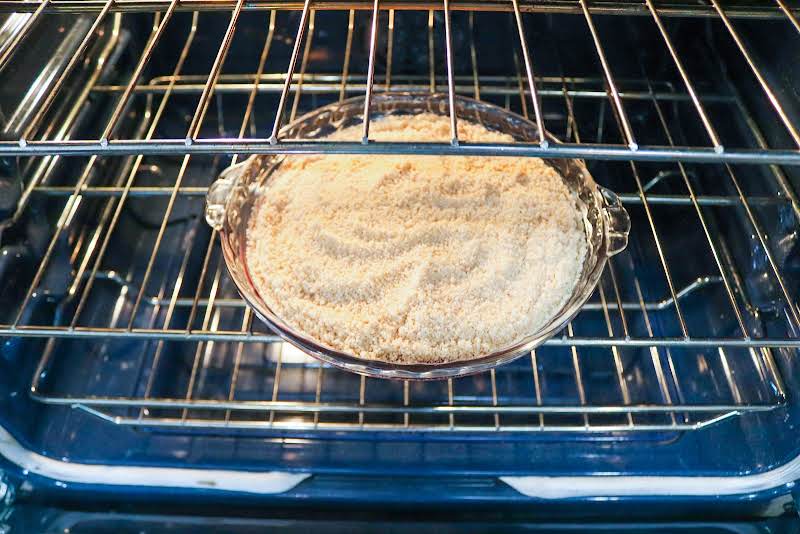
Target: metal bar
(761, 80)
(303, 65)
(612, 86)
(673, 296)
(526, 56)
(712, 134)
(48, 101)
(619, 8)
(318, 393)
(473, 56)
(276, 385)
(610, 152)
(664, 175)
(759, 370)
(657, 305)
(199, 191)
(10, 46)
(601, 120)
(80, 332)
(536, 384)
(273, 139)
(520, 86)
(389, 49)
(576, 366)
(572, 124)
(200, 283)
(362, 390)
(208, 90)
(235, 80)
(251, 100)
(347, 50)
(792, 17)
(493, 377)
(618, 297)
(655, 357)
(450, 417)
(296, 426)
(158, 29)
(253, 131)
(406, 398)
(477, 409)
(623, 384)
(373, 38)
(760, 234)
(237, 362)
(451, 91)
(726, 368)
(431, 57)
(330, 83)
(774, 370)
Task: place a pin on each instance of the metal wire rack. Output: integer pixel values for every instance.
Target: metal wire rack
(106, 143)
(637, 358)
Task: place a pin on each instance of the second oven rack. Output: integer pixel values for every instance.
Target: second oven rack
(476, 405)
(245, 379)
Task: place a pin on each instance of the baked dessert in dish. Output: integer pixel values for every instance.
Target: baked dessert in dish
(414, 266)
(415, 259)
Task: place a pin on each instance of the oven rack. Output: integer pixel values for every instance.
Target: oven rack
(287, 391)
(669, 8)
(273, 387)
(123, 189)
(29, 140)
(639, 373)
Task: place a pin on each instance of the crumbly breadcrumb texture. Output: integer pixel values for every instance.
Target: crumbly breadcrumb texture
(422, 259)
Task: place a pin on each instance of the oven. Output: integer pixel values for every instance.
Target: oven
(138, 391)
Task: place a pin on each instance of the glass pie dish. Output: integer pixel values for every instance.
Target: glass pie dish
(231, 197)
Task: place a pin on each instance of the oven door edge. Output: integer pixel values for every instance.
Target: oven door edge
(765, 486)
(262, 483)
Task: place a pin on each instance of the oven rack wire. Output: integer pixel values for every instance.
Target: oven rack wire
(739, 10)
(629, 345)
(29, 144)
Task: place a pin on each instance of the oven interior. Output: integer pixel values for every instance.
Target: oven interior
(126, 342)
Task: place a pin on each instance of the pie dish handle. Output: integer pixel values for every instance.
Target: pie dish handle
(219, 193)
(618, 223)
